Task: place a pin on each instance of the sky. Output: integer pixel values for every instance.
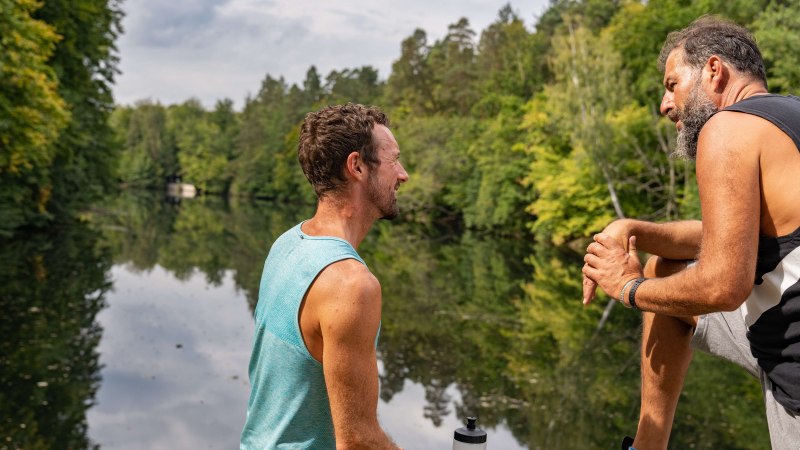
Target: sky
(174, 50)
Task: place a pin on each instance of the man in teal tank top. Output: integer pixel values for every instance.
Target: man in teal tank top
(313, 370)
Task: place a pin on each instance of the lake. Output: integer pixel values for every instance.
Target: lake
(133, 328)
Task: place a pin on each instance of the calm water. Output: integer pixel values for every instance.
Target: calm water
(133, 331)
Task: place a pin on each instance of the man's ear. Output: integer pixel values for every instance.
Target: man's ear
(717, 73)
(354, 166)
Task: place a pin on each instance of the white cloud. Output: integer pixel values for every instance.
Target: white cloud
(214, 49)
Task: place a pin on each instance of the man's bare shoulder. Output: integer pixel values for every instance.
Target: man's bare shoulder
(347, 293)
(732, 142)
(736, 130)
(348, 276)
(754, 148)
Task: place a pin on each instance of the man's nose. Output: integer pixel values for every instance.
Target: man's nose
(667, 103)
(403, 175)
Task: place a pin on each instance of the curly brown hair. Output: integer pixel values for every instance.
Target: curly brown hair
(329, 135)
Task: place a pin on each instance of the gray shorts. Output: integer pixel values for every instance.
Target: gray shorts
(724, 335)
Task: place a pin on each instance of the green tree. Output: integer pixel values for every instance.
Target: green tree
(312, 86)
(85, 63)
(202, 160)
(264, 162)
(454, 68)
(615, 144)
(251, 160)
(148, 153)
(568, 200)
(224, 117)
(776, 32)
(587, 87)
(32, 114)
(359, 85)
(508, 62)
(410, 85)
(499, 197)
(441, 181)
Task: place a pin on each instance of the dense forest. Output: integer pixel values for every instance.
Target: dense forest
(550, 128)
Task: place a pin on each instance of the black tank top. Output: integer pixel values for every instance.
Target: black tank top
(772, 311)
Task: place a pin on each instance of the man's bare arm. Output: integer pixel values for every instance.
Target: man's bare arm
(728, 178)
(350, 314)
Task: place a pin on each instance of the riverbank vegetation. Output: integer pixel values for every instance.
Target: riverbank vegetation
(550, 128)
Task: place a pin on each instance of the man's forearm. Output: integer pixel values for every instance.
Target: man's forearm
(671, 240)
(693, 292)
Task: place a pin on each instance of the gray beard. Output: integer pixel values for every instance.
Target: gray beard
(695, 114)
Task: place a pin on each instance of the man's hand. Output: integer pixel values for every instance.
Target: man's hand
(619, 230)
(609, 265)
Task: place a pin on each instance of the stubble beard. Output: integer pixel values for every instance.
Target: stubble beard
(384, 200)
(696, 112)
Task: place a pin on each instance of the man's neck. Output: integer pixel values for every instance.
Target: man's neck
(339, 219)
(741, 90)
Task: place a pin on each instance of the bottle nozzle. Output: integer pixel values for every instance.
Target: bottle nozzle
(464, 438)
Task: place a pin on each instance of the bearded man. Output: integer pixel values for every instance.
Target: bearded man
(313, 370)
(727, 285)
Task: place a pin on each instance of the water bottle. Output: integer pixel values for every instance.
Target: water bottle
(469, 438)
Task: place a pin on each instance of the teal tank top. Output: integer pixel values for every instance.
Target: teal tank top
(288, 406)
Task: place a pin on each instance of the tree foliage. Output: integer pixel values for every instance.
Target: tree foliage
(586, 66)
(32, 113)
(776, 32)
(57, 64)
(85, 61)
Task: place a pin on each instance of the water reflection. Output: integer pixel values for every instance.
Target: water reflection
(448, 310)
(207, 234)
(174, 358)
(472, 325)
(53, 286)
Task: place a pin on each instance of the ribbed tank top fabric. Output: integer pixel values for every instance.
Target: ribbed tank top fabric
(781, 110)
(772, 311)
(288, 406)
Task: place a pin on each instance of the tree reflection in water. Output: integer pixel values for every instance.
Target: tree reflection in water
(53, 286)
(207, 234)
(522, 350)
(496, 318)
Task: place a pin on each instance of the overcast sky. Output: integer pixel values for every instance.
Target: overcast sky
(212, 49)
